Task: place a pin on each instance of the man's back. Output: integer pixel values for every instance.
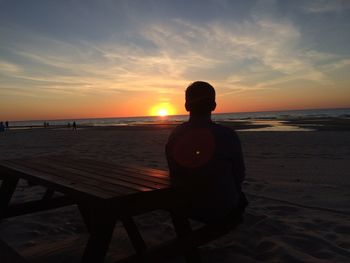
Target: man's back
(205, 160)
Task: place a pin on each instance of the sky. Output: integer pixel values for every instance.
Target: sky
(89, 59)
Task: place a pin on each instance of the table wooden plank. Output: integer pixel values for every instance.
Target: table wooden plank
(112, 183)
(143, 172)
(128, 174)
(155, 173)
(97, 188)
(122, 176)
(151, 172)
(60, 184)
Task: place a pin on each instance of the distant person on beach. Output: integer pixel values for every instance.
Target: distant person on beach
(205, 160)
(2, 127)
(74, 126)
(7, 125)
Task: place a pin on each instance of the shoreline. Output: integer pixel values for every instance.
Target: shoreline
(265, 124)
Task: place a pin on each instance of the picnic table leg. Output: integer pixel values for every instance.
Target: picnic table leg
(134, 235)
(84, 211)
(8, 187)
(101, 230)
(182, 228)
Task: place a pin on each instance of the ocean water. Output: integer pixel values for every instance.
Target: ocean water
(256, 116)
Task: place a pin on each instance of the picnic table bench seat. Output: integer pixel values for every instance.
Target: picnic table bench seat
(105, 192)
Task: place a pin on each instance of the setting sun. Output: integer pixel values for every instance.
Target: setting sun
(162, 110)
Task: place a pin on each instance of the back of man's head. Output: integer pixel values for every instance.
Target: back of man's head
(200, 98)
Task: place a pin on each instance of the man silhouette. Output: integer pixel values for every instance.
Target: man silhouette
(206, 161)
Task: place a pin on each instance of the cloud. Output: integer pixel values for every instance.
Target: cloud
(258, 52)
(325, 6)
(338, 64)
(7, 67)
(253, 49)
(230, 53)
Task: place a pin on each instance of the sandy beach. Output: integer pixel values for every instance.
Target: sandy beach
(297, 184)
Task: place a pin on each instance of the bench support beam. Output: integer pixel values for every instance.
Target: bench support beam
(134, 235)
(37, 206)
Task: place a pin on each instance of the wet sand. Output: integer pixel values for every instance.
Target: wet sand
(297, 184)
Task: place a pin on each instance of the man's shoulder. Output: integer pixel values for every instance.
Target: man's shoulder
(219, 130)
(178, 130)
(214, 126)
(180, 127)
(224, 130)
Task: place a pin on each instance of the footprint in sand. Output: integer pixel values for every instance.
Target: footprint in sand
(282, 210)
(258, 187)
(342, 230)
(331, 236)
(266, 245)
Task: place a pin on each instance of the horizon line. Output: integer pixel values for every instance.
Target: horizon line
(147, 116)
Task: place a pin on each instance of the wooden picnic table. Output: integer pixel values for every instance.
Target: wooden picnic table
(104, 193)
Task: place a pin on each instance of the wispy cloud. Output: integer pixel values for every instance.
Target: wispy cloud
(252, 49)
(9, 67)
(338, 64)
(325, 6)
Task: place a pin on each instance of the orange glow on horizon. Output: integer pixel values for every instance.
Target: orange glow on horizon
(162, 110)
(149, 103)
